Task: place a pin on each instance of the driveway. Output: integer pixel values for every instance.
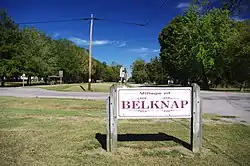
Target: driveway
(221, 103)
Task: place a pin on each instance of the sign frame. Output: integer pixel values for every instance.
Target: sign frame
(195, 125)
(119, 116)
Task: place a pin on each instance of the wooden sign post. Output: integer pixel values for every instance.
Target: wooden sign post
(151, 103)
(196, 120)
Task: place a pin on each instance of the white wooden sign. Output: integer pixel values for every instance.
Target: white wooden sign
(147, 102)
(154, 102)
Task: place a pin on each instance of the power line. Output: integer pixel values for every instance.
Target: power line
(101, 19)
(81, 19)
(120, 21)
(150, 20)
(53, 21)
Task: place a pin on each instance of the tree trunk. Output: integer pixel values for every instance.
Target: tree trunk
(2, 81)
(205, 82)
(204, 79)
(45, 80)
(29, 80)
(242, 85)
(16, 78)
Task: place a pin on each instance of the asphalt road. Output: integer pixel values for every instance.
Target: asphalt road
(42, 93)
(221, 103)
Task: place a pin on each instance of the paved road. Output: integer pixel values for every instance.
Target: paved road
(227, 104)
(38, 92)
(222, 103)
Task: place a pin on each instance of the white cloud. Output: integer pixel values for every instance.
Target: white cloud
(122, 44)
(237, 18)
(156, 50)
(56, 34)
(145, 51)
(100, 42)
(183, 5)
(82, 42)
(79, 41)
(142, 49)
(119, 43)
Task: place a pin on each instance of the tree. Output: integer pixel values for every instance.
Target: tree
(9, 37)
(32, 52)
(235, 7)
(155, 71)
(236, 56)
(139, 71)
(176, 41)
(191, 45)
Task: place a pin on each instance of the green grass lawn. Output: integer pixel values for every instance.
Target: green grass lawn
(64, 132)
(96, 87)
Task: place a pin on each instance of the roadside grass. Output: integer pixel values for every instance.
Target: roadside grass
(95, 87)
(70, 132)
(230, 89)
(101, 87)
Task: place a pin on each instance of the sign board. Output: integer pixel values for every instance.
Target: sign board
(60, 73)
(154, 102)
(147, 102)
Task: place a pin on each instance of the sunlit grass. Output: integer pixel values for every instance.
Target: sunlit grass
(63, 132)
(95, 87)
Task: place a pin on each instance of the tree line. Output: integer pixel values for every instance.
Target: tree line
(209, 48)
(30, 51)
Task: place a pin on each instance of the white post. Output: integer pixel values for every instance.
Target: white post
(196, 120)
(108, 136)
(90, 49)
(23, 79)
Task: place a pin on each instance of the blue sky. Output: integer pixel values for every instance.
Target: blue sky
(117, 42)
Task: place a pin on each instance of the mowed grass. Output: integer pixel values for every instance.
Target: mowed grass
(95, 87)
(70, 132)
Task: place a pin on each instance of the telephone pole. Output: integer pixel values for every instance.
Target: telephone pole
(90, 49)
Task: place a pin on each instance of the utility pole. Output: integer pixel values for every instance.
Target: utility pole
(90, 49)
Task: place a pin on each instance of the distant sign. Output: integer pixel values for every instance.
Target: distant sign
(23, 75)
(146, 102)
(60, 73)
(122, 72)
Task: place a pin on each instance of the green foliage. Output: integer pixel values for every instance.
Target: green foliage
(32, 52)
(155, 71)
(196, 47)
(236, 55)
(9, 37)
(203, 46)
(139, 71)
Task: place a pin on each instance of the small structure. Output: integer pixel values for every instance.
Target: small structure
(54, 79)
